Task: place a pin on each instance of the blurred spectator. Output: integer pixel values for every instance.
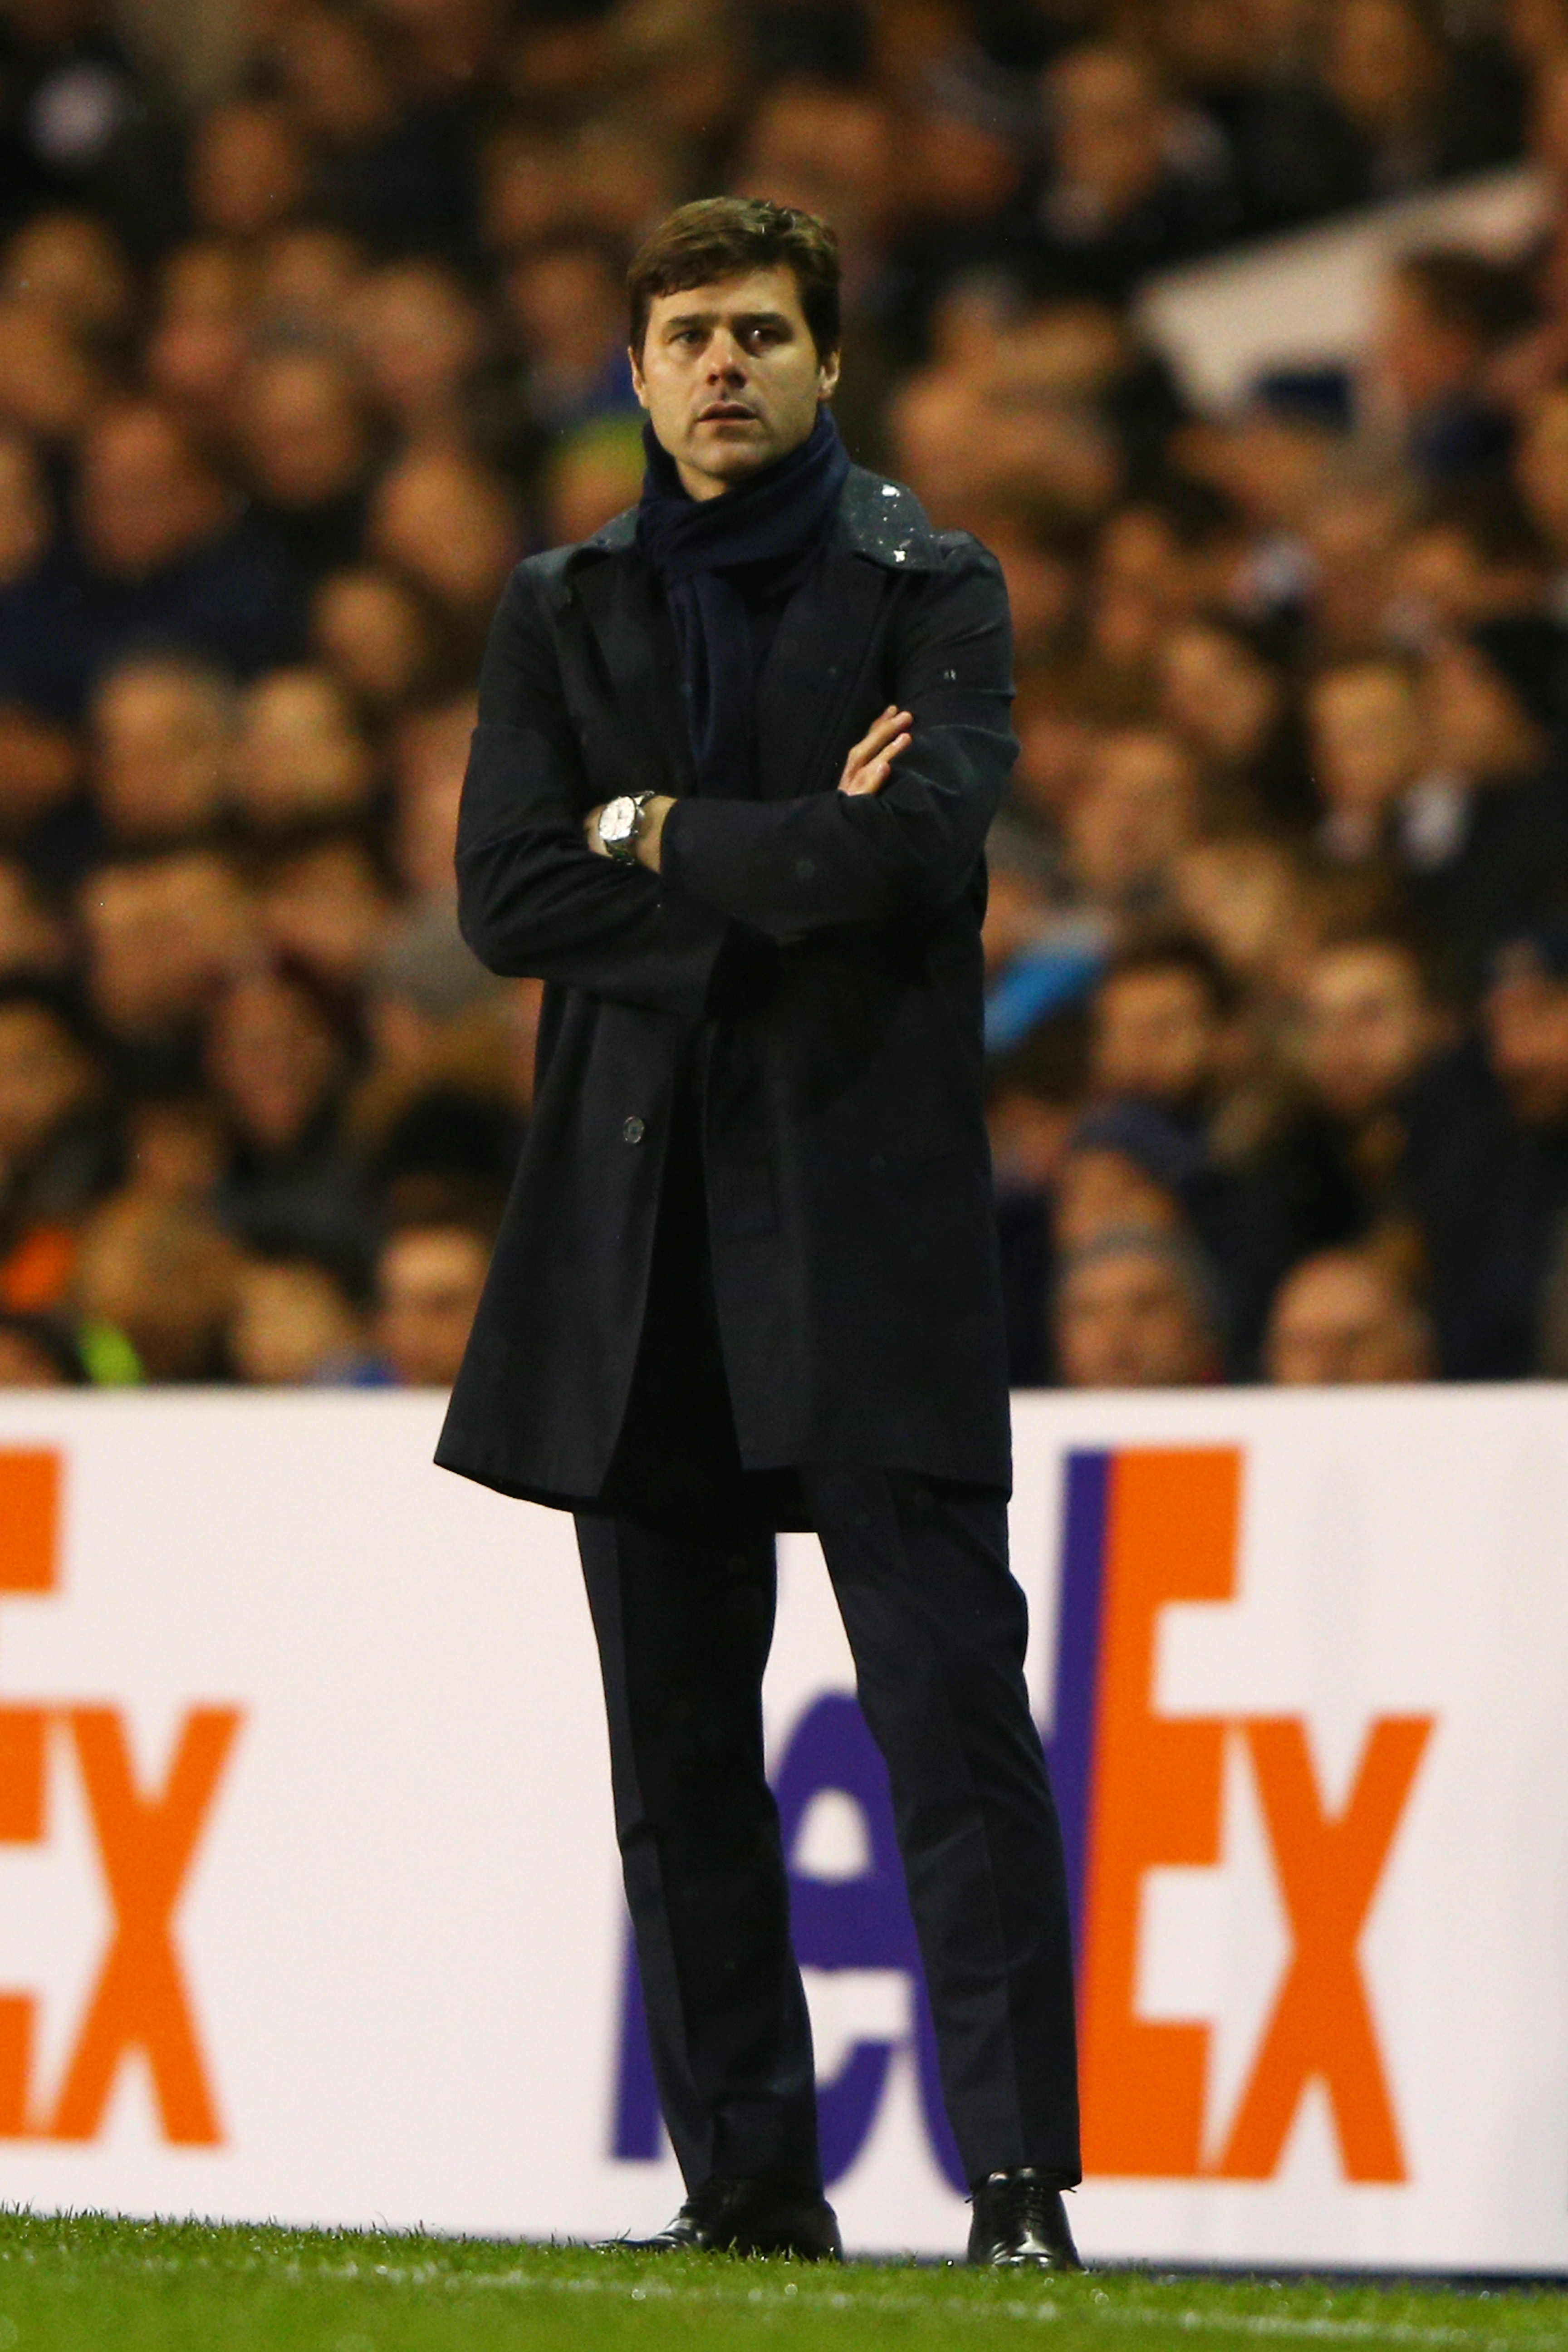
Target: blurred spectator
(301, 760)
(153, 1291)
(1131, 185)
(1133, 1311)
(161, 935)
(1138, 809)
(1367, 753)
(427, 1287)
(1126, 1169)
(1491, 826)
(161, 563)
(1488, 1164)
(300, 282)
(381, 637)
(278, 1058)
(420, 338)
(595, 473)
(1246, 896)
(305, 441)
(323, 903)
(292, 1323)
(1333, 1169)
(176, 1144)
(1343, 1317)
(248, 169)
(1446, 314)
(1230, 704)
(55, 1143)
(33, 943)
(566, 308)
(1408, 108)
(200, 336)
(37, 1353)
(163, 730)
(445, 519)
(292, 375)
(1162, 1027)
(390, 172)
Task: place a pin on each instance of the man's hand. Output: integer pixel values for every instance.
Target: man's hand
(871, 764)
(866, 771)
(650, 832)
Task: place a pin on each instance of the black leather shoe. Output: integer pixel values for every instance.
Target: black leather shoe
(1020, 2223)
(745, 2217)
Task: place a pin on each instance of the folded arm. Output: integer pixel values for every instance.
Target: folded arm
(533, 899)
(901, 854)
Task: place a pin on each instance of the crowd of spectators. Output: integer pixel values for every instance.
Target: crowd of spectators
(1277, 945)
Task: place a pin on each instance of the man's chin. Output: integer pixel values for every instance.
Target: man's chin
(733, 461)
(723, 445)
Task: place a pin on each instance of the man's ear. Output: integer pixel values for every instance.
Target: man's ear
(829, 374)
(638, 385)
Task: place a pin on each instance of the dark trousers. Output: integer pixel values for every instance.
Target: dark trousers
(937, 1628)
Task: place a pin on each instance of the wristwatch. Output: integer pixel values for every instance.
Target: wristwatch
(620, 823)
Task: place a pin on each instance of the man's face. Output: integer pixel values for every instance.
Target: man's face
(44, 1075)
(430, 1284)
(730, 378)
(146, 499)
(1477, 723)
(1101, 1191)
(1366, 736)
(162, 740)
(1156, 1036)
(1138, 810)
(1126, 1320)
(1337, 1321)
(1541, 465)
(1527, 1036)
(1366, 1026)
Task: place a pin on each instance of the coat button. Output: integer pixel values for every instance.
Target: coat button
(633, 1131)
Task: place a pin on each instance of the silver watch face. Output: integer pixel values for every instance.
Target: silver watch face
(619, 820)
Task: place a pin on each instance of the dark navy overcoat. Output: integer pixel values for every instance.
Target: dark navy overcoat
(825, 950)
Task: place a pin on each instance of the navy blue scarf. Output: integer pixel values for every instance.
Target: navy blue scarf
(716, 559)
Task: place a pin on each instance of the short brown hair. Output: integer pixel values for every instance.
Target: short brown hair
(719, 237)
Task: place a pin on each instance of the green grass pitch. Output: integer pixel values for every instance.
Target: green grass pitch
(89, 2284)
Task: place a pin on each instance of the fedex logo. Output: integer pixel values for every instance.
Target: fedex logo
(1138, 1791)
(146, 1841)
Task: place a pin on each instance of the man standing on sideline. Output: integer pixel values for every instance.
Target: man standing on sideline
(728, 793)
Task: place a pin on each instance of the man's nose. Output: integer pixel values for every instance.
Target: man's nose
(725, 357)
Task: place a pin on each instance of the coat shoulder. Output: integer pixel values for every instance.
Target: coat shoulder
(546, 578)
(885, 521)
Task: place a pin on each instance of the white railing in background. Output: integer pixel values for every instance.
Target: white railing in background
(1308, 297)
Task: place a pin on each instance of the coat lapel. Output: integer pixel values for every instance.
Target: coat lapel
(637, 646)
(823, 642)
(826, 639)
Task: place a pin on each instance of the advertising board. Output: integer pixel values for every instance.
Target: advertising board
(309, 1901)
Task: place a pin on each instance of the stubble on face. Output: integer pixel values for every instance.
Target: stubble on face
(730, 377)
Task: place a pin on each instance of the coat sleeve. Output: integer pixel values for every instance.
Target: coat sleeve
(787, 868)
(533, 901)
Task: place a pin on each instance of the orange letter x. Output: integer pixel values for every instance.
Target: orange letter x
(145, 1844)
(1328, 1871)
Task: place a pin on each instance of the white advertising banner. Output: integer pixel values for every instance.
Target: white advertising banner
(308, 1899)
